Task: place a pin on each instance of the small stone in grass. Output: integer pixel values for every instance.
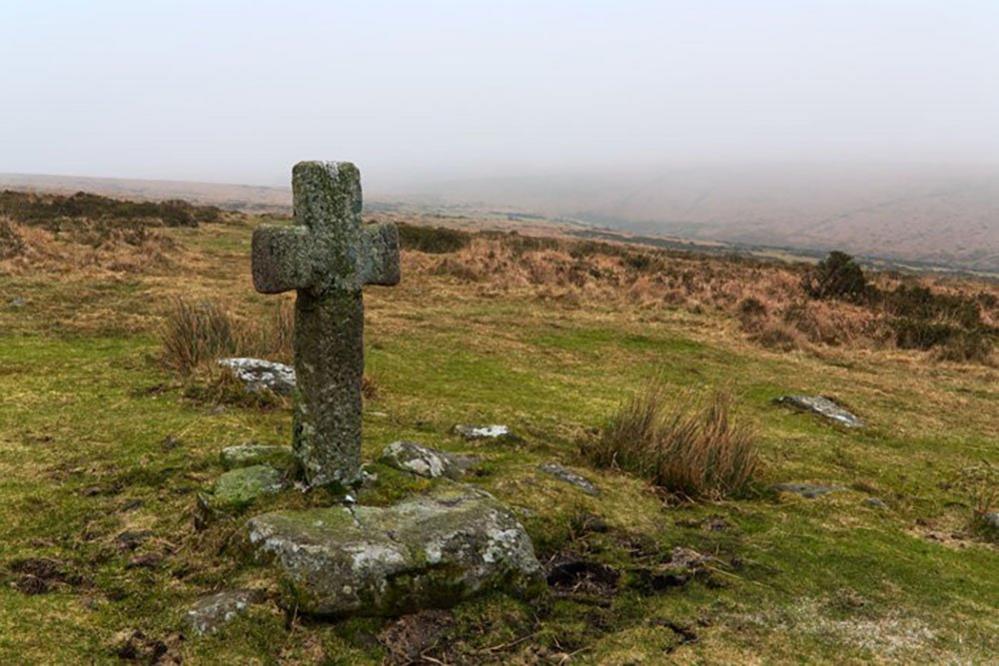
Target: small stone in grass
(236, 490)
(493, 432)
(822, 406)
(567, 475)
(210, 613)
(251, 453)
(422, 460)
(807, 490)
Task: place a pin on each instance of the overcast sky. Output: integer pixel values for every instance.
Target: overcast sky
(238, 91)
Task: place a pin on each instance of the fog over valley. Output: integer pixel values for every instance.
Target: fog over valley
(940, 214)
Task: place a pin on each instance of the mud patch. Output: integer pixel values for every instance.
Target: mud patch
(683, 566)
(38, 575)
(581, 579)
(411, 637)
(685, 633)
(134, 645)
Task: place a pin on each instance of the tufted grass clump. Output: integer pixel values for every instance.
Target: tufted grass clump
(979, 484)
(196, 333)
(690, 449)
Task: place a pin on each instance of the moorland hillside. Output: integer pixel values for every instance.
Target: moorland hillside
(719, 526)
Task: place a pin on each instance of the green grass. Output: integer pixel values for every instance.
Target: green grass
(96, 438)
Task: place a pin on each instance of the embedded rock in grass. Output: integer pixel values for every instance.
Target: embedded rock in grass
(132, 539)
(807, 490)
(822, 406)
(245, 455)
(258, 374)
(210, 613)
(567, 475)
(875, 503)
(683, 566)
(237, 489)
(494, 432)
(992, 520)
(430, 551)
(424, 461)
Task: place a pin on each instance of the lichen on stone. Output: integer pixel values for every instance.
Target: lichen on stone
(429, 551)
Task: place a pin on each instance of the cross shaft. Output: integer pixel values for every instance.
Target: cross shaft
(327, 256)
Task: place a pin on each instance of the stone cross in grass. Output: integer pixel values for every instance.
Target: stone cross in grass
(327, 256)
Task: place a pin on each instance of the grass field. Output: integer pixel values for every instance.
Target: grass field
(98, 439)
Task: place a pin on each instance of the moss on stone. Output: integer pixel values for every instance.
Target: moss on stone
(236, 490)
(246, 455)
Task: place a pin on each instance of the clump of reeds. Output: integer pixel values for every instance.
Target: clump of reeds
(689, 448)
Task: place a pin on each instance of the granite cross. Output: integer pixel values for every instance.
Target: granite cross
(327, 256)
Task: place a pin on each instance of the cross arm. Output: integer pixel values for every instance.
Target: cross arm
(282, 259)
(379, 257)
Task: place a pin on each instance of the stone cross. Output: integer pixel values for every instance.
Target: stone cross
(327, 256)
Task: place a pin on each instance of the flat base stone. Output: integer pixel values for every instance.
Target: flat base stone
(424, 461)
(246, 455)
(210, 613)
(822, 406)
(236, 490)
(430, 551)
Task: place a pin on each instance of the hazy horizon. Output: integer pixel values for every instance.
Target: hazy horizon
(235, 94)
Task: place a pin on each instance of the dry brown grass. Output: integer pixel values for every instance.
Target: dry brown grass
(689, 449)
(570, 272)
(578, 272)
(85, 247)
(11, 243)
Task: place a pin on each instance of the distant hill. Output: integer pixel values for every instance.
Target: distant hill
(938, 215)
(234, 197)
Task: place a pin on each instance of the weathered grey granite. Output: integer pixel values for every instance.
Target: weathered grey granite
(473, 432)
(875, 503)
(236, 490)
(328, 256)
(210, 613)
(808, 490)
(421, 460)
(567, 475)
(430, 551)
(823, 407)
(258, 374)
(245, 455)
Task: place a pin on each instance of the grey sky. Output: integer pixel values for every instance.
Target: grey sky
(237, 91)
